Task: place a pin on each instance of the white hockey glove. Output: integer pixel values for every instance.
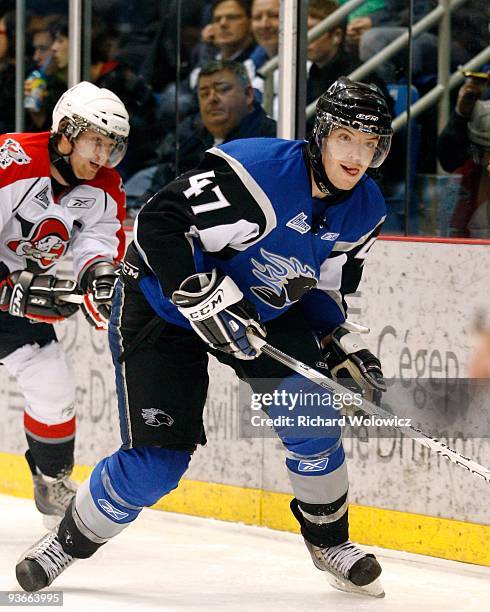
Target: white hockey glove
(98, 283)
(352, 364)
(37, 296)
(218, 312)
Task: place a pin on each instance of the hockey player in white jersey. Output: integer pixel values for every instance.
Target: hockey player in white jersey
(59, 192)
(266, 236)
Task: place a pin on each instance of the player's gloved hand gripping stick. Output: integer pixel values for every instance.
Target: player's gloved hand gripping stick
(39, 297)
(351, 362)
(368, 407)
(98, 282)
(219, 314)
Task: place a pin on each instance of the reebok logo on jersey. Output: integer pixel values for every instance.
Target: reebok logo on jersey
(11, 152)
(81, 203)
(314, 465)
(109, 509)
(329, 236)
(154, 417)
(299, 224)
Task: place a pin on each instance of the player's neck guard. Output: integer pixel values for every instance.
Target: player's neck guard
(62, 163)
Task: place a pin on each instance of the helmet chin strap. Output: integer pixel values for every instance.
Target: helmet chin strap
(62, 163)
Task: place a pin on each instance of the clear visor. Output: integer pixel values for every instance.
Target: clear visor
(356, 147)
(100, 149)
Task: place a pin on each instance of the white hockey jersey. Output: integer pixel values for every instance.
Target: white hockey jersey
(37, 228)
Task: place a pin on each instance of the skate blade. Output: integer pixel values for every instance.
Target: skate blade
(374, 589)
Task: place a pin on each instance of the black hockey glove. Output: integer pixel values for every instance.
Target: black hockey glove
(218, 312)
(98, 284)
(353, 365)
(37, 296)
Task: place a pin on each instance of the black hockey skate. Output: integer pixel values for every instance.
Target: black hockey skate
(51, 495)
(350, 568)
(42, 563)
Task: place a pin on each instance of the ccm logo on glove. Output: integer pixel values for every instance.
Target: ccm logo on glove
(218, 313)
(207, 308)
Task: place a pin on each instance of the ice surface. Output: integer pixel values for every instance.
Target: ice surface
(172, 562)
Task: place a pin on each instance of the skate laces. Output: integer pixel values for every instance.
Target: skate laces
(342, 557)
(61, 490)
(50, 555)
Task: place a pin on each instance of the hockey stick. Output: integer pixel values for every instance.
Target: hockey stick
(369, 408)
(71, 298)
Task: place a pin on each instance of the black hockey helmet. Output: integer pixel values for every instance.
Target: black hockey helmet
(351, 104)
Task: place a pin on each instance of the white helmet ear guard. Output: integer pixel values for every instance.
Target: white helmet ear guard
(88, 107)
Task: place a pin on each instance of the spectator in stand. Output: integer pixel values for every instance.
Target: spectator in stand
(265, 28)
(328, 57)
(42, 40)
(363, 18)
(453, 144)
(232, 35)
(60, 49)
(232, 29)
(383, 26)
(232, 38)
(7, 72)
(464, 147)
(38, 119)
(228, 111)
(471, 215)
(327, 54)
(119, 75)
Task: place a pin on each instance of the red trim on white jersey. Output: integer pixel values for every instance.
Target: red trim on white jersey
(92, 212)
(50, 432)
(110, 181)
(23, 156)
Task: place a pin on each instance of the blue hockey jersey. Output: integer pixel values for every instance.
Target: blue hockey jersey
(248, 211)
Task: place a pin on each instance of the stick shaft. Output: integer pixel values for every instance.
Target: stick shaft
(72, 298)
(369, 408)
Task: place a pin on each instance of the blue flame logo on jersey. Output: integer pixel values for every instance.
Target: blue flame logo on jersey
(286, 279)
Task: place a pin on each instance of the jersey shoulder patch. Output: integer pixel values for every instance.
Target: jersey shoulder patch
(23, 156)
(11, 152)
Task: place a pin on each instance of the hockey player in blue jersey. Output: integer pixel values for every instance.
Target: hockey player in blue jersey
(267, 235)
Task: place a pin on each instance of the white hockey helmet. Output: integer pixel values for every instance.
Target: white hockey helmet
(479, 126)
(88, 107)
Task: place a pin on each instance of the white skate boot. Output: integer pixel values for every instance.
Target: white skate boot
(51, 495)
(350, 568)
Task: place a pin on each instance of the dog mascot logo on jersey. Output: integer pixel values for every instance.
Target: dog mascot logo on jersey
(154, 417)
(47, 242)
(286, 279)
(12, 152)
